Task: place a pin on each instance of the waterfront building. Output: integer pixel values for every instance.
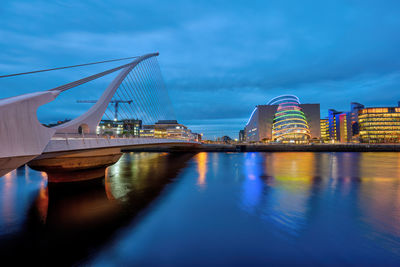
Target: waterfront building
(242, 136)
(289, 123)
(339, 126)
(365, 125)
(354, 108)
(113, 127)
(110, 127)
(298, 122)
(379, 125)
(172, 129)
(169, 129)
(57, 123)
(147, 131)
(343, 126)
(325, 130)
(132, 127)
(197, 137)
(224, 139)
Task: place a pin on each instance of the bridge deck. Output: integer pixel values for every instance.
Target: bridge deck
(59, 144)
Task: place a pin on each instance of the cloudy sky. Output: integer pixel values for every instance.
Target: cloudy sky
(219, 58)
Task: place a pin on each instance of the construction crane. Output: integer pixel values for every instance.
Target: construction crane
(115, 102)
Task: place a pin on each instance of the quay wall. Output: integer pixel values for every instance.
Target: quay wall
(277, 148)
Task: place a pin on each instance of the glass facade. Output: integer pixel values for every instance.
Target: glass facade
(339, 126)
(123, 127)
(289, 124)
(325, 130)
(169, 129)
(355, 107)
(379, 125)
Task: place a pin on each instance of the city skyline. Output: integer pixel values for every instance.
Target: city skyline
(331, 53)
(200, 133)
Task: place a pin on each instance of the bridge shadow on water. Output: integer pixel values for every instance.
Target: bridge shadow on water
(67, 223)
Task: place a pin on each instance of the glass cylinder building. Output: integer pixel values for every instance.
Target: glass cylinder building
(289, 124)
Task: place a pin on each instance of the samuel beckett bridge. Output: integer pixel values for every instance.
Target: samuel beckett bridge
(80, 148)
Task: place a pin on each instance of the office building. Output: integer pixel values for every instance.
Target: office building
(354, 108)
(123, 127)
(325, 130)
(285, 120)
(242, 137)
(132, 127)
(169, 129)
(339, 126)
(365, 125)
(147, 131)
(379, 125)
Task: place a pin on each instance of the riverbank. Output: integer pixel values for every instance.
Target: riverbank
(275, 148)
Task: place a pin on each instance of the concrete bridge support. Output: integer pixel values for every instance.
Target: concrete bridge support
(77, 165)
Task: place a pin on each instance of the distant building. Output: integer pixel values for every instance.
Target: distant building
(147, 131)
(132, 127)
(110, 127)
(169, 129)
(284, 119)
(127, 127)
(197, 137)
(57, 123)
(225, 139)
(242, 136)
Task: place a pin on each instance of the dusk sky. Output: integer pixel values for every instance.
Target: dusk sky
(219, 58)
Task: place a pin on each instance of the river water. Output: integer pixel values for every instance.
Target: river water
(209, 208)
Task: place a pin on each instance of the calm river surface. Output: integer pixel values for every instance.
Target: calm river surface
(209, 208)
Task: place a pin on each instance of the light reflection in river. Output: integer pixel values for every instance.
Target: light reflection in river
(263, 208)
(252, 208)
(201, 159)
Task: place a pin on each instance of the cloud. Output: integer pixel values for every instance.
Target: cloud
(218, 59)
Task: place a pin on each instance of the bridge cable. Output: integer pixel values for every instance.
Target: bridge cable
(140, 107)
(128, 107)
(145, 83)
(157, 88)
(122, 106)
(162, 88)
(145, 97)
(66, 67)
(152, 88)
(135, 101)
(162, 95)
(141, 97)
(137, 97)
(126, 95)
(166, 91)
(105, 113)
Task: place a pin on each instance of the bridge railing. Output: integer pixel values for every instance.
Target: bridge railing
(83, 136)
(91, 136)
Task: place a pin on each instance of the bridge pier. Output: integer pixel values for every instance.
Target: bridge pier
(76, 166)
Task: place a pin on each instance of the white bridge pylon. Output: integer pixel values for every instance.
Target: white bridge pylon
(23, 137)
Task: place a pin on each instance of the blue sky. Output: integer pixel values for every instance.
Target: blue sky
(219, 58)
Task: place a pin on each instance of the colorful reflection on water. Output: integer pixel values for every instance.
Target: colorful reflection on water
(201, 160)
(211, 208)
